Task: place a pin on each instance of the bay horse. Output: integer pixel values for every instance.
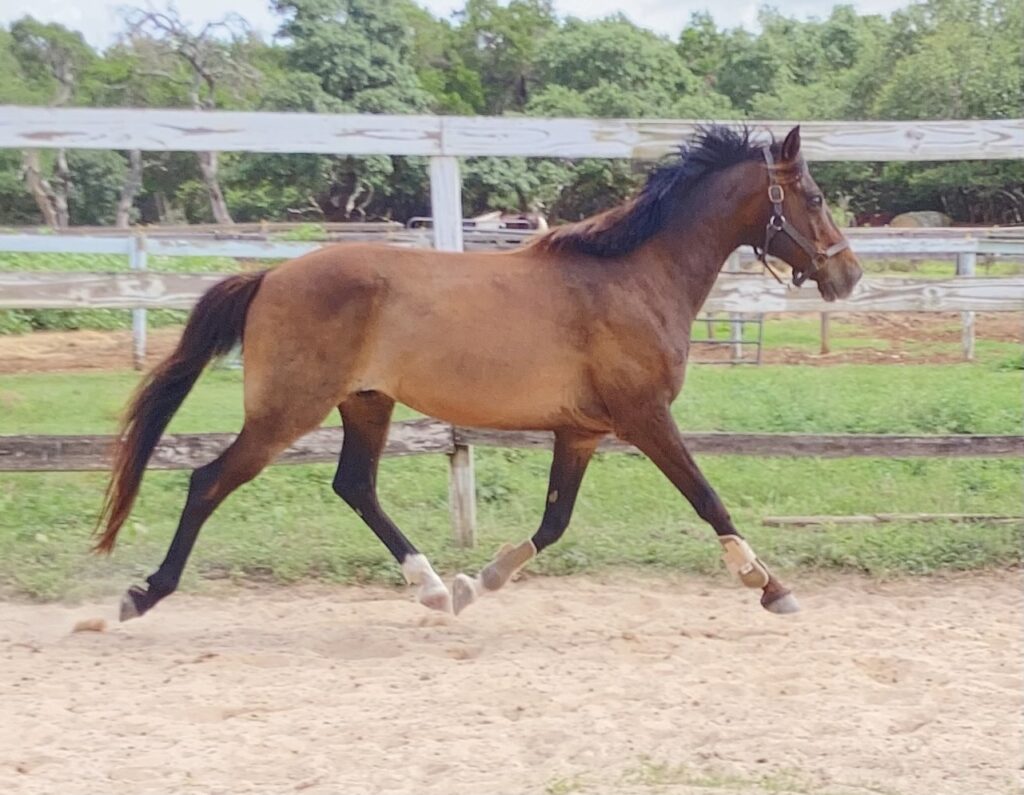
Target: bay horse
(583, 331)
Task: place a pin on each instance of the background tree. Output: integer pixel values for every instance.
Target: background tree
(359, 49)
(206, 64)
(361, 54)
(51, 57)
(501, 44)
(932, 59)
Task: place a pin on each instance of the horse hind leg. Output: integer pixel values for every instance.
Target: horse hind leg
(254, 448)
(366, 417)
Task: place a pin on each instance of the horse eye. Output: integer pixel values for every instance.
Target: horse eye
(816, 201)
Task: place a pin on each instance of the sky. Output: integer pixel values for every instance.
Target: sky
(99, 19)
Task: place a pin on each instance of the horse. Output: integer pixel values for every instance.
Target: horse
(583, 331)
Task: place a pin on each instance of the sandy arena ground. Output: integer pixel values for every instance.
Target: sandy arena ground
(555, 686)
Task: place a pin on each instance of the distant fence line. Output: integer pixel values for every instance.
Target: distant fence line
(733, 293)
(870, 241)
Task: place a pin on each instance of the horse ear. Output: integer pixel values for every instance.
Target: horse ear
(791, 146)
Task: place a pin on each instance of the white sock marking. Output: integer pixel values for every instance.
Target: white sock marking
(432, 591)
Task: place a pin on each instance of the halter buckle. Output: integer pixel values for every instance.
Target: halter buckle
(776, 195)
(777, 222)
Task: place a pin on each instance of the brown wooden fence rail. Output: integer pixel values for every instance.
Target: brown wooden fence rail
(415, 437)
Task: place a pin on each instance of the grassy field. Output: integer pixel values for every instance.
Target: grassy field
(288, 525)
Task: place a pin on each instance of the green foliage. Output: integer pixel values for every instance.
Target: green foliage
(16, 205)
(501, 43)
(613, 51)
(358, 49)
(972, 72)
(591, 186)
(494, 183)
(51, 56)
(931, 59)
(96, 179)
(260, 202)
(16, 88)
(192, 199)
(455, 90)
(556, 100)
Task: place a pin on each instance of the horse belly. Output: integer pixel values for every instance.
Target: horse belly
(467, 388)
(478, 346)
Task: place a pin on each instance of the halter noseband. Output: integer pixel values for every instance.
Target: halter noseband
(778, 223)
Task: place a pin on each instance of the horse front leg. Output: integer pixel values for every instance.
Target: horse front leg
(366, 418)
(658, 437)
(573, 451)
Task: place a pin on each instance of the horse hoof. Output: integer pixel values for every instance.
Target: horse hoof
(464, 592)
(133, 603)
(784, 605)
(436, 598)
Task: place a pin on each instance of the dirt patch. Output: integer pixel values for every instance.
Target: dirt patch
(943, 327)
(886, 338)
(555, 685)
(80, 351)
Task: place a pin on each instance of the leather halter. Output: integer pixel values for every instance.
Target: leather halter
(778, 223)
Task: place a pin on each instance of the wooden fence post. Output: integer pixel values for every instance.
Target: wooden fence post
(965, 266)
(824, 333)
(446, 209)
(137, 262)
(462, 495)
(732, 265)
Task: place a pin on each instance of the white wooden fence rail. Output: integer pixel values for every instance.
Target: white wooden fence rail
(456, 136)
(743, 294)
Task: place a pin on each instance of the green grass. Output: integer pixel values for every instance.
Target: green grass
(113, 263)
(661, 776)
(981, 397)
(288, 525)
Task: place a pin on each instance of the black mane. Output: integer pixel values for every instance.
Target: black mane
(621, 229)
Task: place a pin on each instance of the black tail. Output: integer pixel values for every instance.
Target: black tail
(214, 327)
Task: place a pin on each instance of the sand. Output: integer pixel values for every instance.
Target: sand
(554, 686)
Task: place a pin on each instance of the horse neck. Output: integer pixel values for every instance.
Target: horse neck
(702, 230)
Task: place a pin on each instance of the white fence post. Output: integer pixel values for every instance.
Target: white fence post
(446, 209)
(965, 266)
(446, 203)
(137, 262)
(732, 265)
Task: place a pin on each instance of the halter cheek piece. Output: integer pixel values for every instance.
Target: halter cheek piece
(778, 223)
